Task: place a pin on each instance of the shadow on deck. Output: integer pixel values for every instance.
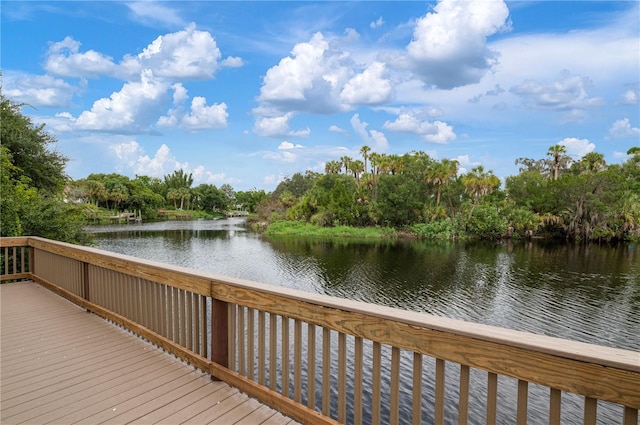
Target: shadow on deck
(60, 364)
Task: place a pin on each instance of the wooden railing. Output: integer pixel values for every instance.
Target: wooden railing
(322, 359)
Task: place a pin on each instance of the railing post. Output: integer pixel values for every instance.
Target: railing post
(220, 332)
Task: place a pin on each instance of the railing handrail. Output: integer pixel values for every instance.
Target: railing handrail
(550, 361)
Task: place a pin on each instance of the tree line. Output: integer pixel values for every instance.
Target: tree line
(146, 195)
(585, 199)
(553, 196)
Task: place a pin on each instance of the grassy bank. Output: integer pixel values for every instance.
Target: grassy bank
(295, 228)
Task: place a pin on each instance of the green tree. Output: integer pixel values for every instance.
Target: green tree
(592, 162)
(364, 151)
(210, 198)
(479, 183)
(440, 174)
(558, 160)
(179, 183)
(32, 149)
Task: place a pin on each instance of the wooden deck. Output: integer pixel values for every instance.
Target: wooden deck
(60, 364)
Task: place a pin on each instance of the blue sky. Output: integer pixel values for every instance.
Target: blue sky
(247, 93)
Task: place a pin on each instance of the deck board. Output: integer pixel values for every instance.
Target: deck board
(60, 364)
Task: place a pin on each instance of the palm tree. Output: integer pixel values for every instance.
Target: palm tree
(593, 162)
(559, 159)
(396, 164)
(333, 167)
(479, 183)
(440, 173)
(346, 160)
(364, 151)
(95, 191)
(374, 157)
(357, 168)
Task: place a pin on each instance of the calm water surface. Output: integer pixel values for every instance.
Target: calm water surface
(588, 293)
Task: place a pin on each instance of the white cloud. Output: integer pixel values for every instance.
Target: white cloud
(186, 54)
(232, 62)
(272, 179)
(449, 47)
(200, 174)
(151, 13)
(189, 53)
(336, 129)
(375, 139)
(179, 93)
(308, 80)
(567, 94)
(577, 148)
(368, 88)
(132, 159)
(433, 132)
(377, 23)
(630, 97)
(65, 60)
(132, 155)
(289, 145)
(285, 157)
(622, 129)
(203, 117)
(277, 127)
(130, 110)
(465, 164)
(38, 90)
(378, 140)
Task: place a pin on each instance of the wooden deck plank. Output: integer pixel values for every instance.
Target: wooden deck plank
(60, 364)
(258, 416)
(238, 413)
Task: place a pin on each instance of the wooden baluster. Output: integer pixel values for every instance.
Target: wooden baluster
(233, 336)
(342, 377)
(273, 350)
(175, 299)
(165, 317)
(590, 411)
(357, 381)
(375, 384)
(196, 324)
(251, 343)
(416, 410)
(242, 356)
(492, 398)
(630, 416)
(523, 394)
(311, 366)
(190, 322)
(326, 371)
(463, 401)
(261, 347)
(220, 332)
(395, 387)
(182, 296)
(555, 403)
(297, 360)
(85, 282)
(285, 356)
(439, 407)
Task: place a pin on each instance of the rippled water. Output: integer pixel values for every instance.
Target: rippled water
(588, 293)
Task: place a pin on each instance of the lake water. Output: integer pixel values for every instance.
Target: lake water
(588, 293)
